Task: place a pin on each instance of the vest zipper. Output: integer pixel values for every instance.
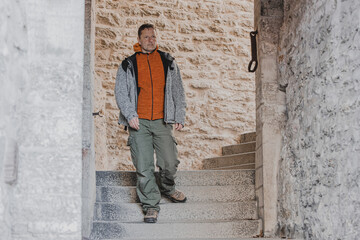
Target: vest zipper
(152, 89)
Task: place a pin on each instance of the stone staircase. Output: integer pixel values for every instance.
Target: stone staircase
(239, 156)
(221, 205)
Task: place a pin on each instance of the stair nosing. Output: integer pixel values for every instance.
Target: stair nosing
(252, 142)
(181, 171)
(232, 155)
(180, 222)
(233, 166)
(180, 186)
(174, 204)
(245, 176)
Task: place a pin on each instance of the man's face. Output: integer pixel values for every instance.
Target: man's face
(147, 40)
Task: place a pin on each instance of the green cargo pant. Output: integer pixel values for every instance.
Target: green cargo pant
(153, 135)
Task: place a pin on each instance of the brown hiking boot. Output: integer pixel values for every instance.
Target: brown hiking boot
(151, 215)
(177, 197)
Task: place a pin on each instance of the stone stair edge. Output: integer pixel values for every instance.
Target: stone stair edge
(184, 178)
(180, 171)
(172, 212)
(239, 144)
(232, 155)
(194, 193)
(161, 222)
(181, 186)
(243, 166)
(176, 204)
(245, 212)
(219, 163)
(246, 133)
(253, 238)
(178, 230)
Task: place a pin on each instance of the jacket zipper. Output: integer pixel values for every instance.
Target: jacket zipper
(152, 89)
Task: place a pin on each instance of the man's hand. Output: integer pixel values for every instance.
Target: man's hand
(134, 123)
(178, 126)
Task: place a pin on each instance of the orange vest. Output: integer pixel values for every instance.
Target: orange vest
(151, 81)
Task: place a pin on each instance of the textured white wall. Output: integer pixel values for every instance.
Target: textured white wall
(13, 47)
(41, 61)
(319, 177)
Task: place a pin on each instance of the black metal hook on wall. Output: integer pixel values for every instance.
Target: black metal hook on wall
(253, 52)
(97, 114)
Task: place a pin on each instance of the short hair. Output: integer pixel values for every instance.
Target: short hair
(144, 26)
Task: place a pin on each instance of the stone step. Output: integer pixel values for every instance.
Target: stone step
(229, 160)
(229, 193)
(206, 238)
(171, 212)
(184, 178)
(241, 166)
(248, 137)
(239, 148)
(176, 230)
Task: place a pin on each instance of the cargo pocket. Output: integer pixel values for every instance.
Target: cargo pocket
(133, 150)
(130, 141)
(169, 126)
(174, 140)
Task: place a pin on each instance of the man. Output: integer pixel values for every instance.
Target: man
(150, 95)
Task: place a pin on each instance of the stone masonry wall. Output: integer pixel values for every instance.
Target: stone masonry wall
(210, 41)
(41, 73)
(320, 168)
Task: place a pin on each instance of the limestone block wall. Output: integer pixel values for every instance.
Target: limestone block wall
(41, 73)
(320, 168)
(210, 41)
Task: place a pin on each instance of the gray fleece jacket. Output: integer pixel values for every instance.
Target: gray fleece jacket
(126, 90)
